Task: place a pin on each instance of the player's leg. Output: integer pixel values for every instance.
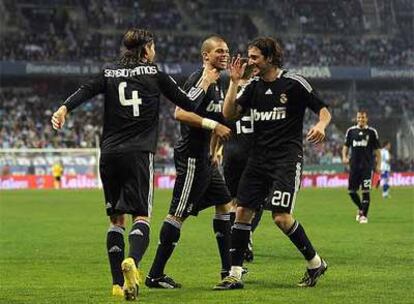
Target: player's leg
(366, 197)
(354, 183)
(115, 235)
(189, 186)
(283, 196)
(136, 177)
(116, 251)
(385, 184)
(253, 188)
(249, 255)
(169, 236)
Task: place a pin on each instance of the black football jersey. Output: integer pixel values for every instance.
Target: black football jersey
(362, 143)
(132, 101)
(242, 139)
(278, 109)
(193, 141)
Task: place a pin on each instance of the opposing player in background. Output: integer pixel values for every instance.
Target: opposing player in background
(385, 168)
(132, 88)
(278, 100)
(362, 142)
(199, 183)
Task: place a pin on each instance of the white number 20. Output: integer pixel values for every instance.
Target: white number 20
(135, 101)
(281, 198)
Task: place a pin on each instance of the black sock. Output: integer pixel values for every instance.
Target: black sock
(169, 236)
(115, 246)
(256, 219)
(298, 237)
(222, 230)
(239, 240)
(356, 199)
(138, 240)
(232, 218)
(365, 202)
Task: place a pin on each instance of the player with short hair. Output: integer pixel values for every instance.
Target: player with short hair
(362, 142)
(278, 99)
(385, 168)
(199, 183)
(132, 88)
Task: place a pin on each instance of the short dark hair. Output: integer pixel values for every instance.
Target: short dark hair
(363, 111)
(133, 45)
(270, 48)
(206, 45)
(385, 143)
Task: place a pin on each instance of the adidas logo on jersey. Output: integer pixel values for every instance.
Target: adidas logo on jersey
(269, 92)
(277, 114)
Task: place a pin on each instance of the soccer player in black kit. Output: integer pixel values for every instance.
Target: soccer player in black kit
(132, 88)
(199, 183)
(278, 100)
(363, 143)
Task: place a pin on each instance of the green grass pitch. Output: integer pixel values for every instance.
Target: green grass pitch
(52, 250)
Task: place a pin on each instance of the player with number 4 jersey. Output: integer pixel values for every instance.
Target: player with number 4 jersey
(132, 88)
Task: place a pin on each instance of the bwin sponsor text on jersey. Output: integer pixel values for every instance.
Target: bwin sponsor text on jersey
(276, 114)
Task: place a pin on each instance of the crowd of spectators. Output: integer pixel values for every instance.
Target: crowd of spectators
(92, 31)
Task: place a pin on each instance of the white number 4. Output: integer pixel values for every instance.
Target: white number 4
(135, 101)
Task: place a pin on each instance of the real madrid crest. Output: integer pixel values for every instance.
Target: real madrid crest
(283, 98)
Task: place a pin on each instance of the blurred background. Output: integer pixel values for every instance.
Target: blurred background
(356, 53)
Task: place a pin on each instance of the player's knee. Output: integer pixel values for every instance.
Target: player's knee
(141, 218)
(176, 218)
(224, 208)
(117, 220)
(283, 220)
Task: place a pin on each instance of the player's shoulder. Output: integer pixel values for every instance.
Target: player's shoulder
(351, 129)
(373, 130)
(297, 79)
(195, 76)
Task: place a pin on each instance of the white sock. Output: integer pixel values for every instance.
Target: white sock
(315, 262)
(236, 271)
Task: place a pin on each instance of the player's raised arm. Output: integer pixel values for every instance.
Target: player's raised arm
(191, 100)
(317, 133)
(231, 109)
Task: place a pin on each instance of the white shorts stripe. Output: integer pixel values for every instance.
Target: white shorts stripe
(151, 183)
(297, 185)
(187, 187)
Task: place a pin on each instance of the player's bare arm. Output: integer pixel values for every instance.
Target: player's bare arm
(231, 110)
(345, 158)
(317, 133)
(197, 121)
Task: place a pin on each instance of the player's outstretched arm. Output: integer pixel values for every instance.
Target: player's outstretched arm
(197, 121)
(317, 133)
(231, 110)
(378, 160)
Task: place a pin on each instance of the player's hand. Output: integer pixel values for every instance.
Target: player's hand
(316, 134)
(378, 169)
(222, 132)
(236, 68)
(345, 160)
(58, 118)
(210, 75)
